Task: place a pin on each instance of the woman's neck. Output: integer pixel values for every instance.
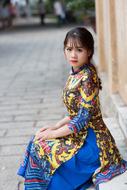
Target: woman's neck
(76, 70)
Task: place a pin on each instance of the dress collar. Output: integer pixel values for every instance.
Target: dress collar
(80, 69)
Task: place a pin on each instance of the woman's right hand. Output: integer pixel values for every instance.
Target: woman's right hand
(46, 127)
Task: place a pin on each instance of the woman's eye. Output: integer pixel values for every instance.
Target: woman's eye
(79, 50)
(68, 49)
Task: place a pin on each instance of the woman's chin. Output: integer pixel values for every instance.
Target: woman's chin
(73, 64)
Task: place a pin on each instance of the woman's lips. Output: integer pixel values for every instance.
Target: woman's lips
(73, 61)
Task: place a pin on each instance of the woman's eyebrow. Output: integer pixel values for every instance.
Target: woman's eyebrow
(74, 46)
(79, 47)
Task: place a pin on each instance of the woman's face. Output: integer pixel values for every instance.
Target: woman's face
(76, 54)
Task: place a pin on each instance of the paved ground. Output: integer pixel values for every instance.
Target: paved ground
(32, 75)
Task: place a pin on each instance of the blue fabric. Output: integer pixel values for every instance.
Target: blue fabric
(31, 170)
(76, 173)
(23, 166)
(80, 121)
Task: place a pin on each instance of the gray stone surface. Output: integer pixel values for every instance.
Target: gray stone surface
(32, 75)
(119, 182)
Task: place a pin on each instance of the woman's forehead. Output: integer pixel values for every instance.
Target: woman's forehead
(74, 42)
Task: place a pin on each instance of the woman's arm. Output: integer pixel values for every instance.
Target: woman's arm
(59, 124)
(62, 122)
(49, 127)
(66, 126)
(89, 92)
(51, 134)
(62, 131)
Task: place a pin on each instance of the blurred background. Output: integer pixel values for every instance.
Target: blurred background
(60, 12)
(33, 71)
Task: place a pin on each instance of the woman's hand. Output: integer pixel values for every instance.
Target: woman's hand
(45, 128)
(44, 134)
(47, 132)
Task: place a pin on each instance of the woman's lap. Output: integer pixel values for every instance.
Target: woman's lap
(73, 174)
(79, 168)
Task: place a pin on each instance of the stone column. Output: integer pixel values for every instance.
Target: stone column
(125, 63)
(100, 34)
(112, 59)
(121, 13)
(111, 16)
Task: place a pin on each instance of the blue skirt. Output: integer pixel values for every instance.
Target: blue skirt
(76, 174)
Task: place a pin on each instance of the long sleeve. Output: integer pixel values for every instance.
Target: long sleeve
(88, 93)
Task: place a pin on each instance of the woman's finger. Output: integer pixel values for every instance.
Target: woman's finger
(39, 131)
(37, 136)
(43, 129)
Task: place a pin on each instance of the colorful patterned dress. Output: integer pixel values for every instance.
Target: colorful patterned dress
(88, 155)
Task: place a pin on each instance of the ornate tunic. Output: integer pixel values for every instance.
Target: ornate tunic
(81, 97)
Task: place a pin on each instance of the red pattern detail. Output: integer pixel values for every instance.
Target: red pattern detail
(34, 180)
(33, 165)
(73, 128)
(46, 148)
(105, 172)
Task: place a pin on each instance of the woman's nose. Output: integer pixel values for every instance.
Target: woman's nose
(73, 54)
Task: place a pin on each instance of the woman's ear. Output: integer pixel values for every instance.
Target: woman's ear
(89, 53)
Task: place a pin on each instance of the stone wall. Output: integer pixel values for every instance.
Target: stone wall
(111, 19)
(112, 43)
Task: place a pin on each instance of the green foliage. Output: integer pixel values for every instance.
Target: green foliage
(49, 6)
(81, 8)
(80, 4)
(75, 4)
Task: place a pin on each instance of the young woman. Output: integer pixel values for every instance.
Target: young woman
(79, 150)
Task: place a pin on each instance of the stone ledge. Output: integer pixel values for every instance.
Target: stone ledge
(121, 112)
(117, 183)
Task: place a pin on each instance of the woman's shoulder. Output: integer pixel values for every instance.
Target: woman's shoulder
(89, 72)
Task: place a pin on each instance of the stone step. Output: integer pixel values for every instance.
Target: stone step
(121, 112)
(117, 183)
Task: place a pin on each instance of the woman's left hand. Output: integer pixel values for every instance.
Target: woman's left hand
(44, 135)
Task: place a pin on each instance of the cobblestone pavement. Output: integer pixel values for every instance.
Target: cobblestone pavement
(32, 75)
